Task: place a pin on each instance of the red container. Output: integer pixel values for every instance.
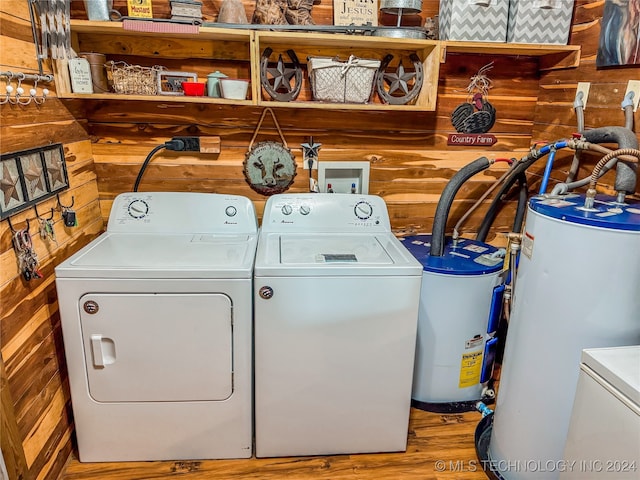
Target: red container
(193, 89)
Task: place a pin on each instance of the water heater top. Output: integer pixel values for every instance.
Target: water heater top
(468, 257)
(606, 212)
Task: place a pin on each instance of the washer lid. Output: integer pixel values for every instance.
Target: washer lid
(128, 255)
(469, 257)
(606, 212)
(336, 249)
(333, 254)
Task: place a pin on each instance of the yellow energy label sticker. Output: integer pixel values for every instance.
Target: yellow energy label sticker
(470, 369)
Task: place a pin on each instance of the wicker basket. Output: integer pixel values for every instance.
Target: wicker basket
(133, 79)
(342, 82)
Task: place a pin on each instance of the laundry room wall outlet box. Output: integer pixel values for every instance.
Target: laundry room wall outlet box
(474, 20)
(343, 176)
(156, 318)
(332, 377)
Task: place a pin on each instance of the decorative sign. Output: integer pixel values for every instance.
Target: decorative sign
(170, 83)
(471, 139)
(80, 72)
(355, 12)
(140, 8)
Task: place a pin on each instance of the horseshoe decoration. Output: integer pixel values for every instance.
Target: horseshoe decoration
(277, 80)
(400, 87)
(269, 167)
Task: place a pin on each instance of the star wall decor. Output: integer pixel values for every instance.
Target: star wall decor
(10, 185)
(33, 172)
(282, 75)
(31, 176)
(56, 169)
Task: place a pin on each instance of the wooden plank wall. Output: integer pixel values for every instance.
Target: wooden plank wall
(37, 425)
(105, 143)
(410, 162)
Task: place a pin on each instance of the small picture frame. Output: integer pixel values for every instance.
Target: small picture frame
(34, 175)
(56, 168)
(12, 196)
(170, 83)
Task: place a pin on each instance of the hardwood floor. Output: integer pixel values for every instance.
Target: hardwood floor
(441, 447)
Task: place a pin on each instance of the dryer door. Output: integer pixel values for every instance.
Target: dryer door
(142, 347)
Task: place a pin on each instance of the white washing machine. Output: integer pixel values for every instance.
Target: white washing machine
(336, 309)
(156, 320)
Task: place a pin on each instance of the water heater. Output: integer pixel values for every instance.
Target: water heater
(577, 287)
(458, 317)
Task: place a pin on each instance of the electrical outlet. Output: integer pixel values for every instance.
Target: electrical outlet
(633, 86)
(314, 164)
(583, 88)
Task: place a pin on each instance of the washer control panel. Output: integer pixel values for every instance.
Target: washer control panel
(176, 212)
(325, 212)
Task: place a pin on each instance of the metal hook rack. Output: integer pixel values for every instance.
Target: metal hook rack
(19, 98)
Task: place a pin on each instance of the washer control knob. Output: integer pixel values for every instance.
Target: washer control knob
(305, 209)
(287, 209)
(265, 292)
(231, 211)
(363, 210)
(138, 208)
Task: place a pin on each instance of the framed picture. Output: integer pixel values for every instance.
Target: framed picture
(34, 175)
(56, 168)
(31, 176)
(12, 197)
(170, 83)
(619, 34)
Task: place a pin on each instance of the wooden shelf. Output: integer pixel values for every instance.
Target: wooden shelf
(238, 52)
(551, 56)
(343, 46)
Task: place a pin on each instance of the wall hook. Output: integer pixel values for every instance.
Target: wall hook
(8, 88)
(65, 207)
(35, 208)
(13, 230)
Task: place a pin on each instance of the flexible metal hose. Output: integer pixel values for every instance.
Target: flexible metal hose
(616, 154)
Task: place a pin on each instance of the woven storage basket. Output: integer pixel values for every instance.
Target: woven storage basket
(342, 82)
(133, 79)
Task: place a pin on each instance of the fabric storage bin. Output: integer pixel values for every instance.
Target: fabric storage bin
(474, 20)
(342, 82)
(539, 21)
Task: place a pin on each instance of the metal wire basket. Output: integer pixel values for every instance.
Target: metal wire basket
(133, 79)
(342, 82)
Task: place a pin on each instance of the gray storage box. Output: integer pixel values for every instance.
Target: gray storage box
(539, 21)
(474, 20)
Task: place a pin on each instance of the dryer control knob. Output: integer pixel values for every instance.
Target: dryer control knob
(265, 292)
(305, 209)
(230, 211)
(287, 209)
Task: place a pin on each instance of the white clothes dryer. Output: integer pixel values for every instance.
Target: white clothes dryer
(336, 309)
(156, 317)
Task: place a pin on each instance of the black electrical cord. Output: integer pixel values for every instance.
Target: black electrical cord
(173, 144)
